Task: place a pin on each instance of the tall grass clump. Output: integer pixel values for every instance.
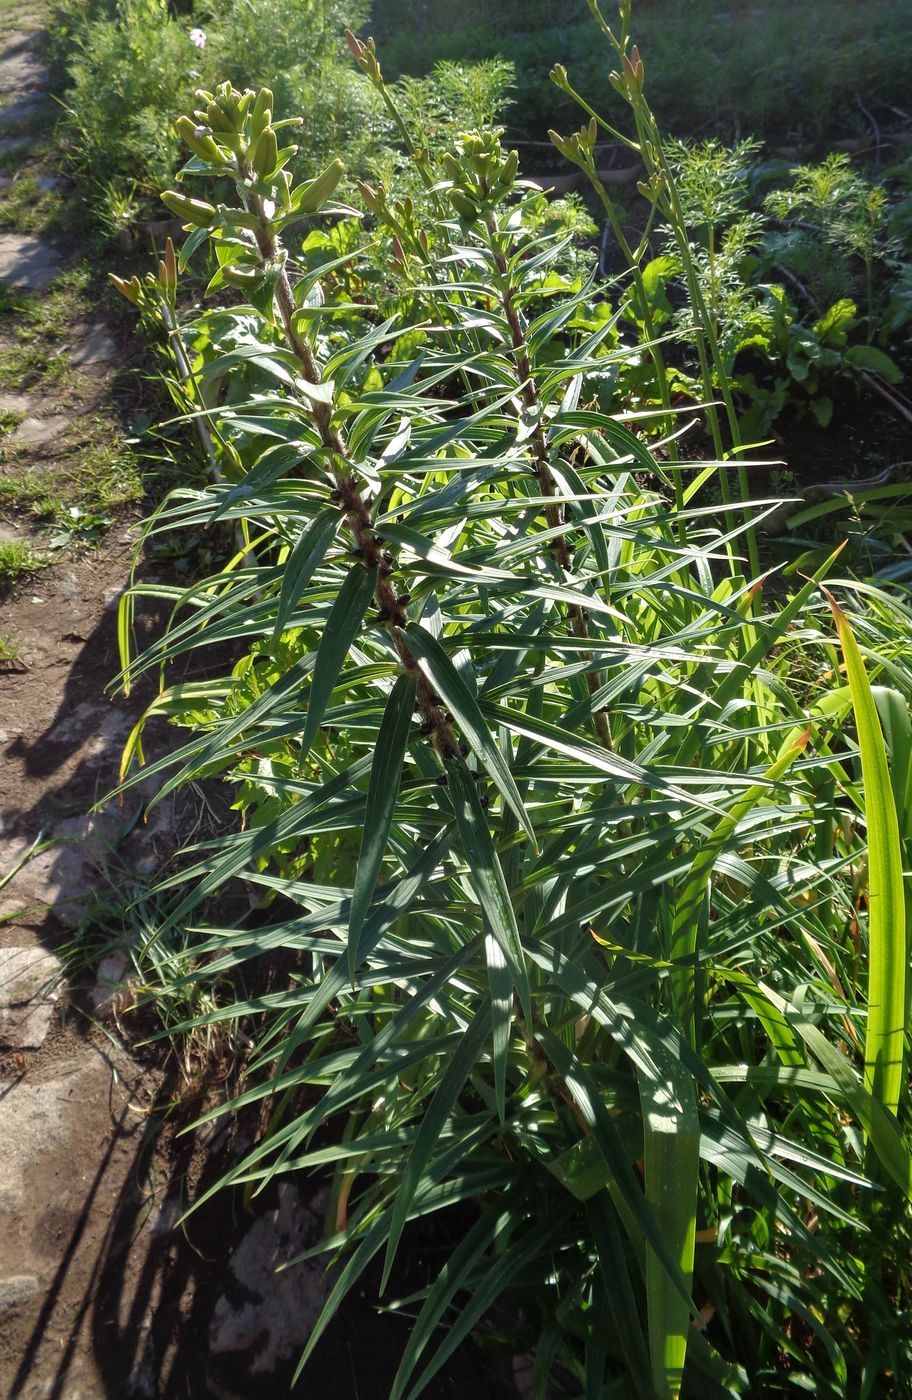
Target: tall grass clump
(580, 830)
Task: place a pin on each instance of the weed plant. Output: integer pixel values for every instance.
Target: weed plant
(587, 836)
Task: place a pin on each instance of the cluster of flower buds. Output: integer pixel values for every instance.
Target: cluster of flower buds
(629, 82)
(481, 174)
(580, 146)
(154, 287)
(365, 55)
(233, 133)
(235, 130)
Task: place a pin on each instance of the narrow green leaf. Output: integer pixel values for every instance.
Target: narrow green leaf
(301, 563)
(687, 909)
(459, 1067)
(879, 1124)
(341, 628)
(456, 695)
(382, 793)
(504, 952)
(671, 1140)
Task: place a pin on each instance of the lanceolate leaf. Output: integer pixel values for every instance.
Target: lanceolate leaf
(459, 1066)
(342, 626)
(456, 694)
(300, 565)
(382, 792)
(506, 962)
(671, 1136)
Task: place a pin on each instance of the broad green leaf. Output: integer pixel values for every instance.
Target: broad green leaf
(887, 936)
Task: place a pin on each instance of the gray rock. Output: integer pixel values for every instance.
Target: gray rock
(20, 67)
(268, 1312)
(29, 987)
(15, 1291)
(23, 110)
(13, 144)
(96, 347)
(34, 432)
(27, 262)
(16, 403)
(111, 982)
(37, 1119)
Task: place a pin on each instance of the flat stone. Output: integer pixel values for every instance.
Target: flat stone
(9, 144)
(35, 1121)
(266, 1313)
(96, 347)
(28, 992)
(20, 67)
(23, 110)
(15, 1291)
(16, 403)
(27, 262)
(111, 982)
(34, 432)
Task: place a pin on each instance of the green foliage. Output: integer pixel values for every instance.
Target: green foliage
(17, 561)
(561, 813)
(131, 68)
(779, 71)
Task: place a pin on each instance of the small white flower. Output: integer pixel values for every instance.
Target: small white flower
(198, 37)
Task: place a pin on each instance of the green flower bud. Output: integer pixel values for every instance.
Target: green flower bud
(316, 192)
(193, 211)
(264, 153)
(199, 140)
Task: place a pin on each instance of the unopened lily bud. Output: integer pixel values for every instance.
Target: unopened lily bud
(170, 266)
(193, 211)
(560, 77)
(619, 82)
(464, 205)
(317, 191)
(264, 153)
(218, 120)
(132, 290)
(560, 142)
(374, 199)
(365, 55)
(633, 68)
(261, 116)
(199, 140)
